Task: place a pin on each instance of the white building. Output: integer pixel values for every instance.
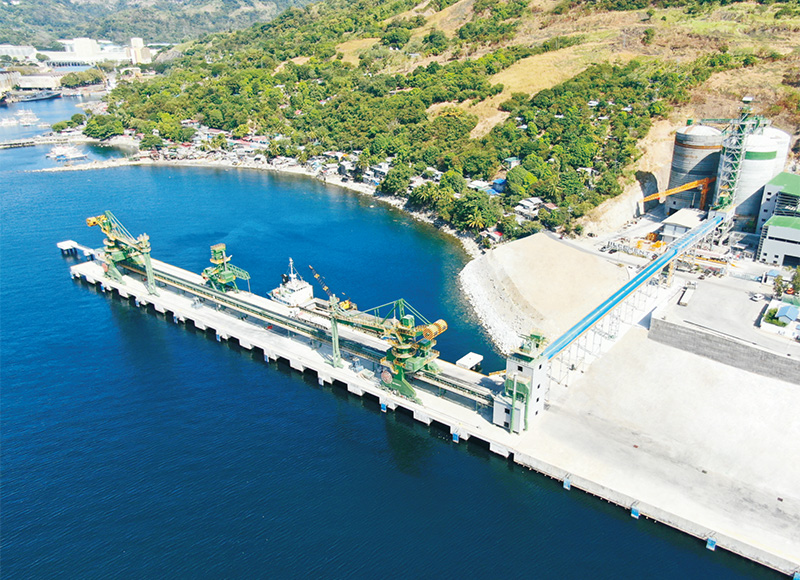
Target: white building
(681, 222)
(781, 197)
(138, 52)
(780, 241)
(87, 51)
(779, 221)
(24, 52)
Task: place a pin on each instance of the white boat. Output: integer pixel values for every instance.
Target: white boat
(66, 153)
(293, 291)
(27, 118)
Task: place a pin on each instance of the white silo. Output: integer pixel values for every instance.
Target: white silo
(694, 156)
(760, 164)
(782, 140)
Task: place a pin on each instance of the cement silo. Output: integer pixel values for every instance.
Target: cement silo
(783, 140)
(764, 157)
(694, 156)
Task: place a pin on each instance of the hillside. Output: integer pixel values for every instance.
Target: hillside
(42, 22)
(569, 89)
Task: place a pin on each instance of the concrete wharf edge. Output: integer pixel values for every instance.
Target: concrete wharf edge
(302, 356)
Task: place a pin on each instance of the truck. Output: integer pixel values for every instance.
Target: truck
(688, 290)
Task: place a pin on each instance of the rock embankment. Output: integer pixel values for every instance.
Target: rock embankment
(537, 283)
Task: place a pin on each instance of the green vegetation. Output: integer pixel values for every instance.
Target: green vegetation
(771, 317)
(575, 141)
(41, 22)
(103, 126)
(91, 76)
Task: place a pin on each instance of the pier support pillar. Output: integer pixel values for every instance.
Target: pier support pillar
(500, 450)
(298, 366)
(422, 417)
(355, 390)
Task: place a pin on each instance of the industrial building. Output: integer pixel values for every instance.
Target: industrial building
(741, 159)
(779, 221)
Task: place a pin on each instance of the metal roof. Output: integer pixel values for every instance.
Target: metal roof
(789, 182)
(784, 221)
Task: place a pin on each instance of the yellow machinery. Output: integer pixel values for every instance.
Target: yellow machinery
(704, 184)
(121, 246)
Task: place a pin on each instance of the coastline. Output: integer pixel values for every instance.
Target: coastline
(467, 241)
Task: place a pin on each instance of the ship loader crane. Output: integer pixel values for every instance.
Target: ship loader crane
(121, 246)
(336, 309)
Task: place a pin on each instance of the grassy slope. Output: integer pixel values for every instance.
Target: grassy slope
(617, 36)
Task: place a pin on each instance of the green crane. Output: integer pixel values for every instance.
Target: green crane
(336, 310)
(121, 246)
(222, 275)
(412, 344)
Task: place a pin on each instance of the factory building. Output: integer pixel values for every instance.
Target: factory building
(700, 152)
(781, 197)
(779, 221)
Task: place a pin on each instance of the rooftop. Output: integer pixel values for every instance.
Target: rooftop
(790, 182)
(784, 222)
(686, 218)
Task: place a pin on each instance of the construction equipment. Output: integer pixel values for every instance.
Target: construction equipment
(412, 347)
(336, 309)
(222, 275)
(345, 304)
(121, 246)
(661, 196)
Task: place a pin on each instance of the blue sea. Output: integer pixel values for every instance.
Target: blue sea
(136, 448)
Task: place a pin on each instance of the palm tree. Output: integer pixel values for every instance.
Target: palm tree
(475, 220)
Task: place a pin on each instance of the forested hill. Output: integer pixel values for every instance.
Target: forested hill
(567, 88)
(41, 22)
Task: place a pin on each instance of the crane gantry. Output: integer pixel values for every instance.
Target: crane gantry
(121, 246)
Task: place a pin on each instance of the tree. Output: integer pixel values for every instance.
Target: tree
(796, 280)
(60, 126)
(103, 127)
(454, 181)
(151, 142)
(396, 181)
(78, 119)
(778, 286)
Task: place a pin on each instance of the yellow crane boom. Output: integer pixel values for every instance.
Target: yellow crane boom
(704, 184)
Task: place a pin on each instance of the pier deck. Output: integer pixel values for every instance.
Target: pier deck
(649, 481)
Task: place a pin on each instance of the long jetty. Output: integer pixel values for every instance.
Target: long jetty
(556, 446)
(55, 139)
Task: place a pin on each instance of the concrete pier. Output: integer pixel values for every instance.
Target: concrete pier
(558, 446)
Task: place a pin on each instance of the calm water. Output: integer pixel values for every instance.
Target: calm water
(135, 448)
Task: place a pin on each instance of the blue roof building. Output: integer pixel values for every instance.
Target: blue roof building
(787, 313)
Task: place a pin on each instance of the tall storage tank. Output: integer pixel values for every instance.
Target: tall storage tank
(694, 156)
(765, 157)
(783, 140)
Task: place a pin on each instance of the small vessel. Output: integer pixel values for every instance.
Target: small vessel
(293, 291)
(39, 96)
(27, 118)
(66, 153)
